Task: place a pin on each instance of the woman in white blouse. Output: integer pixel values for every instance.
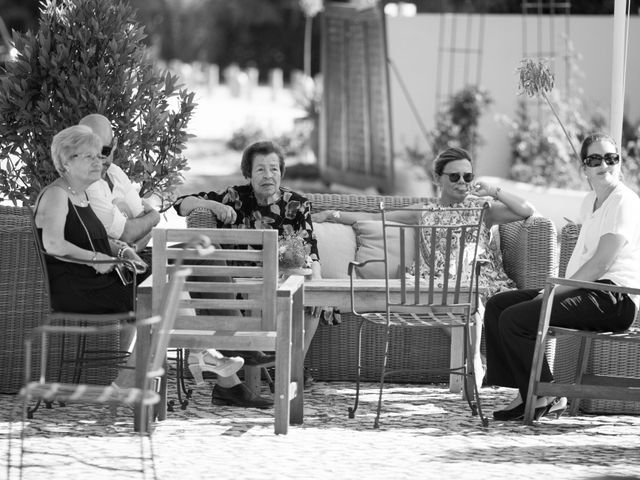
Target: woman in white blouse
(607, 251)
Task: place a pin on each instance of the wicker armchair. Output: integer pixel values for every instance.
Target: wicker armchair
(529, 250)
(24, 303)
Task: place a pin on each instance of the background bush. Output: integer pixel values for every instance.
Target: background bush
(88, 56)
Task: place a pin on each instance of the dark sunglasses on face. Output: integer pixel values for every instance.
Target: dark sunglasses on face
(107, 149)
(455, 177)
(595, 160)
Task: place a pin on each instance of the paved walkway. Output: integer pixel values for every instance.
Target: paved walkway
(426, 432)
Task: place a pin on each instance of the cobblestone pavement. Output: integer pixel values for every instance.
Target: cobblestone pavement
(426, 432)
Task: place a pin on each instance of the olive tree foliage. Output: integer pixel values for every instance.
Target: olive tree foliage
(88, 56)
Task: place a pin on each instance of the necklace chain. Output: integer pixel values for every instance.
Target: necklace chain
(73, 192)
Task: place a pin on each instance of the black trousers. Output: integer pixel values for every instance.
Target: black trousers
(511, 323)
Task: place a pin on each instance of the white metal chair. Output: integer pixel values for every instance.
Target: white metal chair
(440, 294)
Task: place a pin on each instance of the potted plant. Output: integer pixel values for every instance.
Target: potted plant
(536, 79)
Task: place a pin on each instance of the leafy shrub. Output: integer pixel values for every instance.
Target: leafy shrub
(456, 126)
(87, 57)
(541, 154)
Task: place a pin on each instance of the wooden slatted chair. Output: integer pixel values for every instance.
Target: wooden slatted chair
(142, 397)
(272, 319)
(606, 370)
(439, 294)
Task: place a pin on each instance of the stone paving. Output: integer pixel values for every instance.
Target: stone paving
(426, 432)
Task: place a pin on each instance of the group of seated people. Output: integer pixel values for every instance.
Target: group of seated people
(93, 212)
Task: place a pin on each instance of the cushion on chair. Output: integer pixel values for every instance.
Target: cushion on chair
(336, 247)
(371, 246)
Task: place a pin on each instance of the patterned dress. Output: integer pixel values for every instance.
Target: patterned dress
(290, 214)
(492, 279)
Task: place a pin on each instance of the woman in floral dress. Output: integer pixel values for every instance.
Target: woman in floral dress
(453, 174)
(260, 204)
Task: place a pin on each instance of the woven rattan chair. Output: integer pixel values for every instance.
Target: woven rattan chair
(440, 292)
(272, 318)
(602, 373)
(24, 299)
(142, 397)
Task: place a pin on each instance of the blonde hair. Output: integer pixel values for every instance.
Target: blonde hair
(67, 142)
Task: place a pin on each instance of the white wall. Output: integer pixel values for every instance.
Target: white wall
(413, 47)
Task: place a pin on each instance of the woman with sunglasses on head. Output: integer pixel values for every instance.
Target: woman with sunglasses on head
(607, 251)
(453, 174)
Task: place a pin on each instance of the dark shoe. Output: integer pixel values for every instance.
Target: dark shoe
(517, 413)
(556, 408)
(239, 395)
(251, 358)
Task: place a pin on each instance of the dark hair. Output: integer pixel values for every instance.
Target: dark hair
(451, 154)
(593, 138)
(260, 148)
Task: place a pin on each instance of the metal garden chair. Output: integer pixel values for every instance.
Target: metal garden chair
(440, 291)
(151, 356)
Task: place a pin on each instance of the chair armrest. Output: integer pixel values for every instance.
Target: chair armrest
(568, 238)
(551, 281)
(351, 271)
(353, 265)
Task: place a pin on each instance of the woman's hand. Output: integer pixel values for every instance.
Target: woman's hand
(325, 216)
(103, 267)
(139, 264)
(224, 213)
(483, 189)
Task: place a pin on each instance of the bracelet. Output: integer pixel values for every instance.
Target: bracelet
(121, 251)
(495, 195)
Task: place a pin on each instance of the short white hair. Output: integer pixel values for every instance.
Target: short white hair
(67, 142)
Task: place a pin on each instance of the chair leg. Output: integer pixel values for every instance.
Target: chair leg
(180, 386)
(376, 423)
(581, 368)
(468, 376)
(352, 410)
(471, 377)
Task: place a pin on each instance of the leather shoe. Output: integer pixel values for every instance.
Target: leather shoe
(239, 395)
(252, 358)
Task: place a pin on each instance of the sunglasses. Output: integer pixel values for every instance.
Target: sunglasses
(595, 160)
(107, 149)
(455, 177)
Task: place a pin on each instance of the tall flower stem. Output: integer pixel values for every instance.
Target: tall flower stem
(307, 44)
(544, 95)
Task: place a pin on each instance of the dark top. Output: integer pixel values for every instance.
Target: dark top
(290, 214)
(79, 288)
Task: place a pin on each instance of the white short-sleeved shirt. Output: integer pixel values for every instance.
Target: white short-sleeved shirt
(618, 215)
(113, 208)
